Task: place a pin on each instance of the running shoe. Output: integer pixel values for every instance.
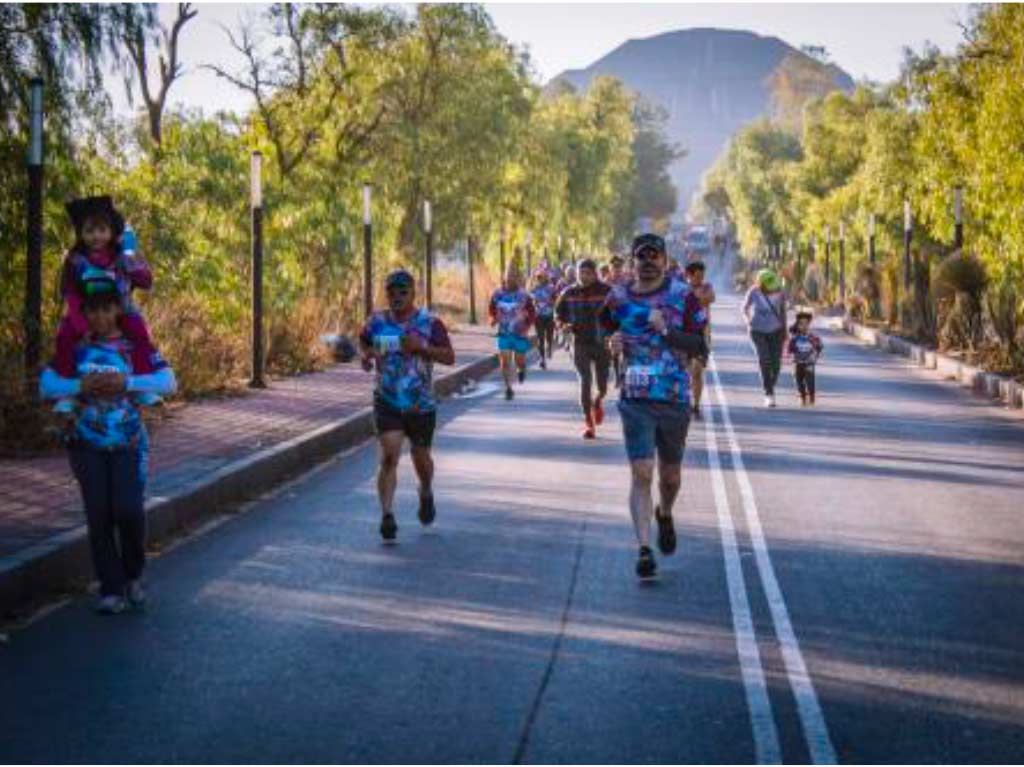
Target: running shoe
(646, 567)
(543, 364)
(812, 398)
(522, 375)
(666, 532)
(509, 394)
(803, 400)
(697, 414)
(427, 510)
(598, 412)
(111, 604)
(588, 431)
(136, 595)
(388, 528)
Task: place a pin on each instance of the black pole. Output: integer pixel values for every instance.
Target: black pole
(33, 319)
(842, 264)
(872, 259)
(529, 257)
(958, 213)
(367, 254)
(828, 261)
(502, 245)
(256, 204)
(428, 259)
(470, 242)
(907, 239)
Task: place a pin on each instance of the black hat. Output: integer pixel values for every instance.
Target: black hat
(399, 278)
(98, 288)
(695, 266)
(803, 314)
(647, 242)
(100, 206)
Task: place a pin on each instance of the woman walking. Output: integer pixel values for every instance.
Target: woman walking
(764, 311)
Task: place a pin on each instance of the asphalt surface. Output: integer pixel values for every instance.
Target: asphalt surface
(868, 610)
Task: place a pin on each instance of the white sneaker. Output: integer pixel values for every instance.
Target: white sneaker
(136, 594)
(769, 400)
(111, 604)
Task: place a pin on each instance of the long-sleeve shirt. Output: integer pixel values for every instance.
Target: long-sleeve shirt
(580, 307)
(110, 422)
(129, 272)
(765, 313)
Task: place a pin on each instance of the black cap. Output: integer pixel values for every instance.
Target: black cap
(647, 241)
(101, 206)
(695, 266)
(803, 314)
(399, 278)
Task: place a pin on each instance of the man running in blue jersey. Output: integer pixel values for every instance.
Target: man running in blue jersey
(654, 327)
(402, 343)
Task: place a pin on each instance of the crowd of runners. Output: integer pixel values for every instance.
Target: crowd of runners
(640, 322)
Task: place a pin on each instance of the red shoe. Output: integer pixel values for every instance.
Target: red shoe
(598, 412)
(589, 432)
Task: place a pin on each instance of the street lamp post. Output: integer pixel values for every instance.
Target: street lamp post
(256, 207)
(958, 214)
(33, 319)
(871, 239)
(828, 259)
(842, 262)
(367, 252)
(908, 235)
(428, 264)
(470, 247)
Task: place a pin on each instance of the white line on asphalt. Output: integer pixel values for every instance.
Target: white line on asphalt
(762, 722)
(819, 744)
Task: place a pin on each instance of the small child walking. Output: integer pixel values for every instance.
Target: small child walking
(805, 348)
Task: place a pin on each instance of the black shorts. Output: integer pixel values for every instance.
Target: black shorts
(418, 426)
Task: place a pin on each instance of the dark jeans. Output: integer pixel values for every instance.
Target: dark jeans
(591, 360)
(546, 336)
(112, 487)
(804, 379)
(769, 357)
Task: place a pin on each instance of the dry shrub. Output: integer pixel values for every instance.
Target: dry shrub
(294, 343)
(814, 284)
(959, 284)
(451, 291)
(205, 358)
(869, 289)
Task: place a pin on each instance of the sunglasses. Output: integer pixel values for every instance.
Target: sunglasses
(647, 254)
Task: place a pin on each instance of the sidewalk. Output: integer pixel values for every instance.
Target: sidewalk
(39, 499)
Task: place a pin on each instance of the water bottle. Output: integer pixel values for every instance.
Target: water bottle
(128, 241)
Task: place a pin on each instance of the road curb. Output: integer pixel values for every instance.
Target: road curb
(1001, 389)
(51, 566)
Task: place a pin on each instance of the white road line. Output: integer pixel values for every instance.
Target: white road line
(762, 722)
(819, 744)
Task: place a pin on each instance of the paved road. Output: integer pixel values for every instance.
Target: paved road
(852, 592)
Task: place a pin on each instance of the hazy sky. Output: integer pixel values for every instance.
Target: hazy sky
(866, 40)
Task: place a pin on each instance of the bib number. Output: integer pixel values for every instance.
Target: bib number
(640, 377)
(388, 344)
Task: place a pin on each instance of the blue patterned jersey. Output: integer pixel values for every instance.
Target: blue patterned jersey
(111, 423)
(404, 381)
(544, 300)
(513, 312)
(652, 371)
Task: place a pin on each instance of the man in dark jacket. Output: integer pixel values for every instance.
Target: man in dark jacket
(578, 311)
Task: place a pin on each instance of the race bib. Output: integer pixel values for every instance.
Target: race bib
(388, 344)
(641, 377)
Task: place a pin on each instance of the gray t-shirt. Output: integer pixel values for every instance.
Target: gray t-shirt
(767, 313)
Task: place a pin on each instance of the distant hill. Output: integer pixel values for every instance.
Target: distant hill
(711, 81)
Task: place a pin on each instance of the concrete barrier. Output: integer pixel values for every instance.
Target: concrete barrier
(996, 387)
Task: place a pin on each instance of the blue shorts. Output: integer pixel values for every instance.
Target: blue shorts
(654, 426)
(511, 343)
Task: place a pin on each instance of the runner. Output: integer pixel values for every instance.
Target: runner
(706, 295)
(108, 447)
(653, 326)
(619, 276)
(578, 311)
(543, 295)
(512, 310)
(402, 343)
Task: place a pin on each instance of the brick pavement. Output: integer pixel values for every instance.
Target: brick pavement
(39, 498)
